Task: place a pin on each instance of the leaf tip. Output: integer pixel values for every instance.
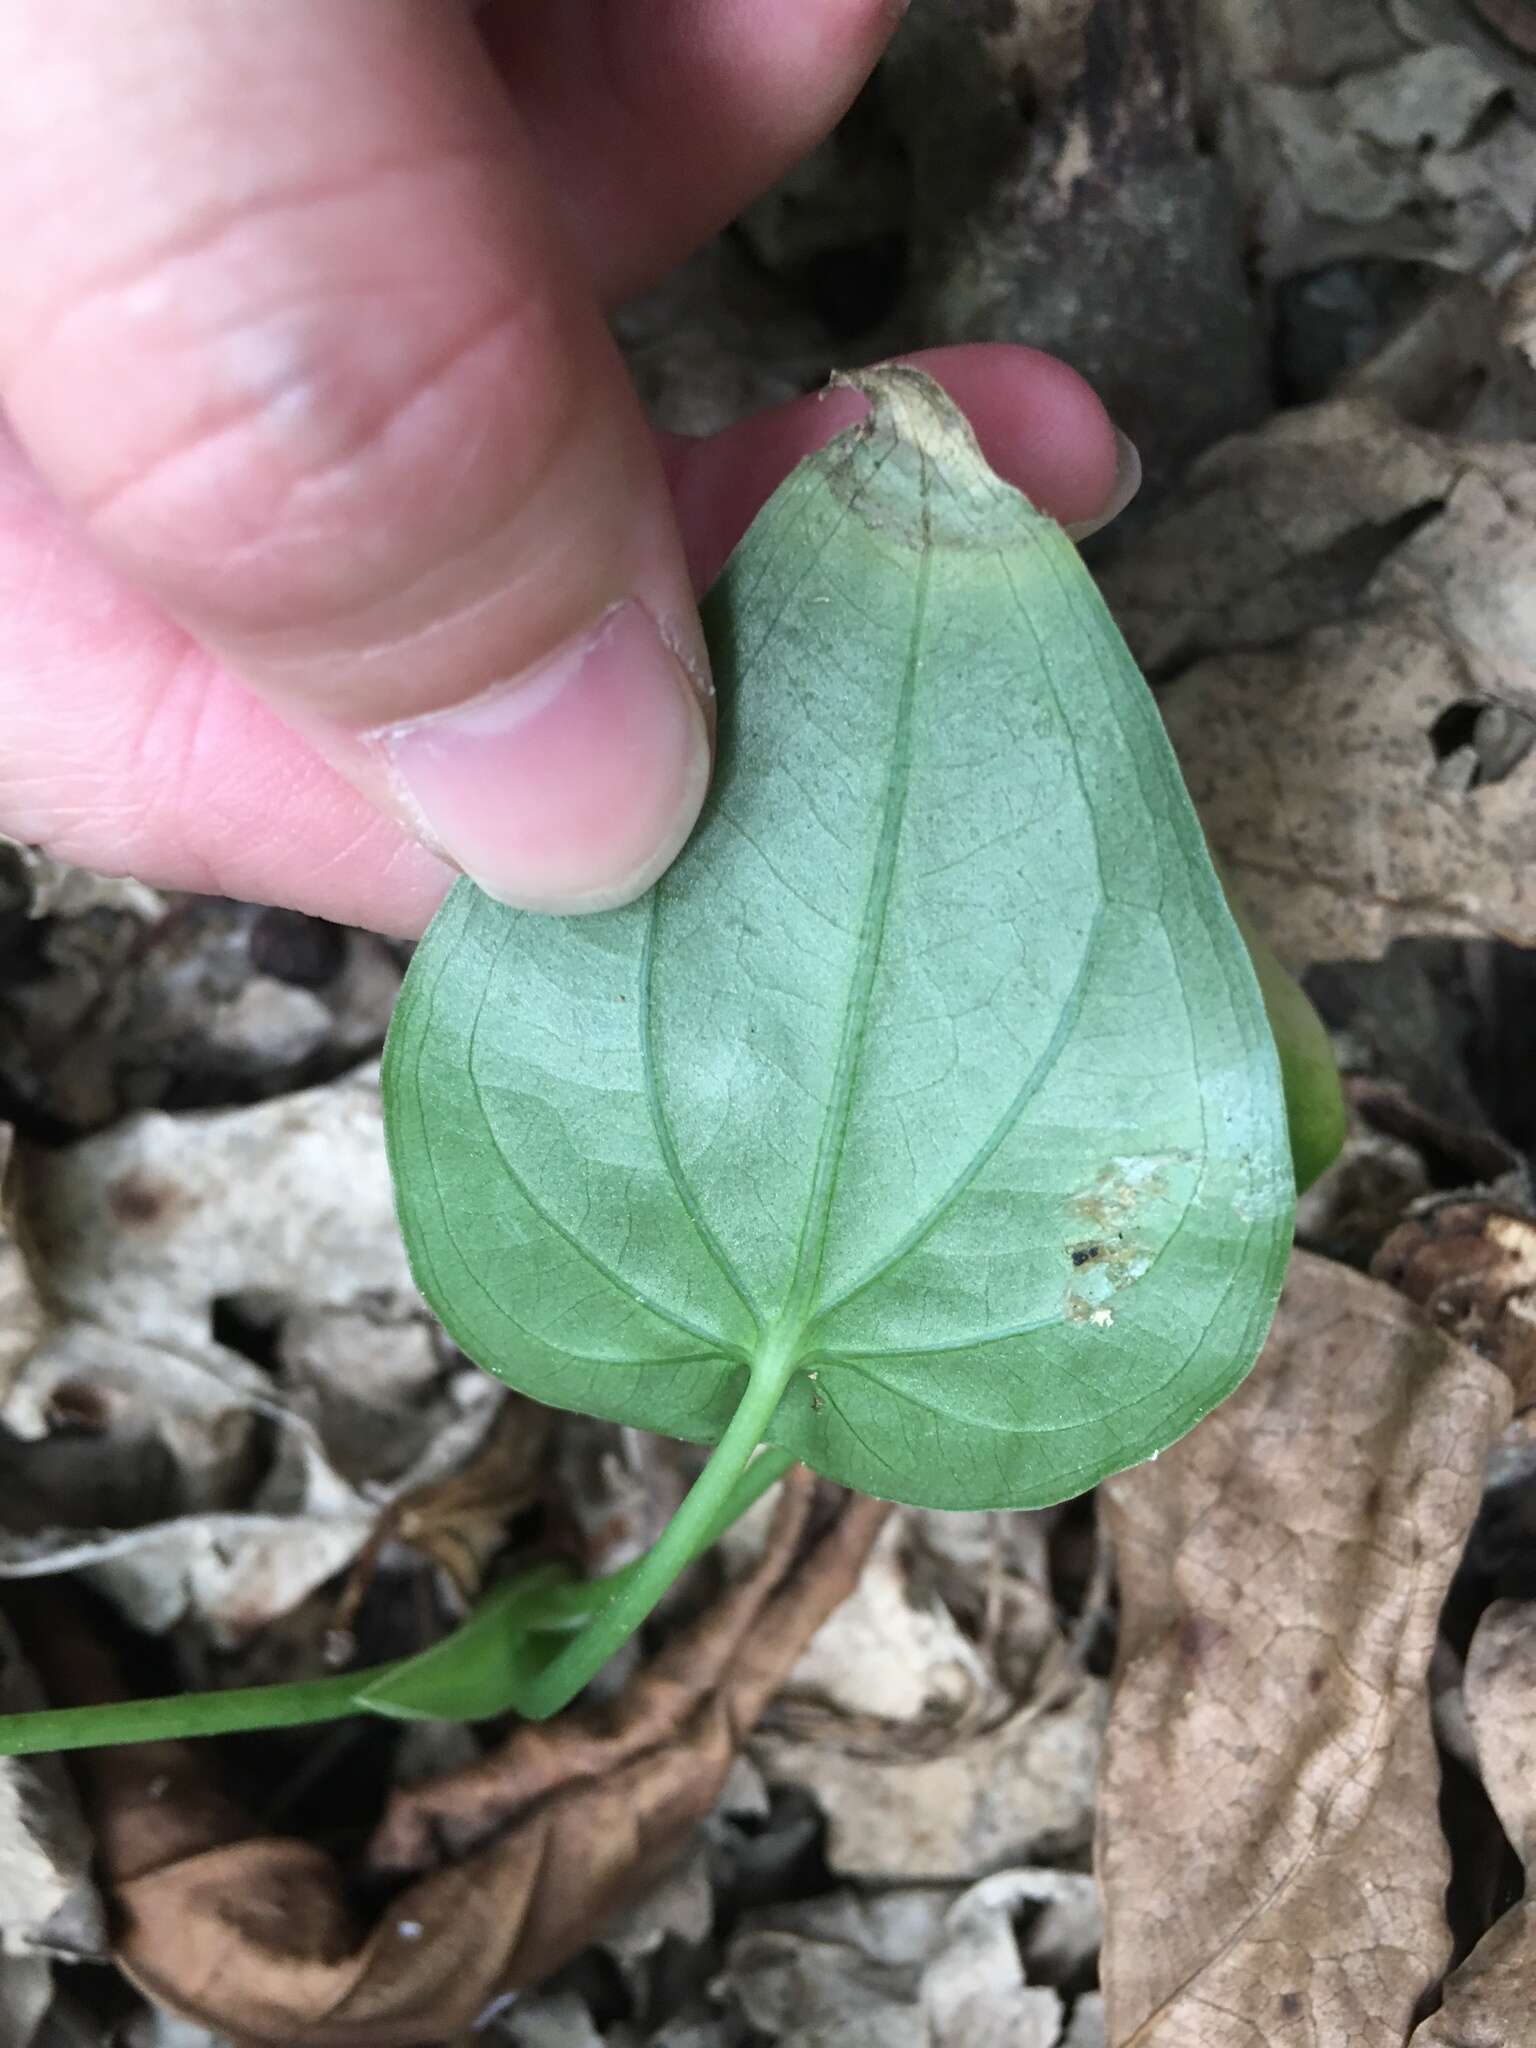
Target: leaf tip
(908, 403)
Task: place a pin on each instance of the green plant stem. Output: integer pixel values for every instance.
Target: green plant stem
(574, 1603)
(181, 1715)
(455, 1680)
(489, 1664)
(688, 1533)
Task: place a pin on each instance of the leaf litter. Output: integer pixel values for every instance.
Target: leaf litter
(1331, 606)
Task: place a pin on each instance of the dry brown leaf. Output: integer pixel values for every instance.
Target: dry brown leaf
(1324, 592)
(1269, 1844)
(256, 1937)
(1490, 1999)
(460, 1521)
(1471, 1267)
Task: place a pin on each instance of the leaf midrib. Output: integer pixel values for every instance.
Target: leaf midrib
(811, 1247)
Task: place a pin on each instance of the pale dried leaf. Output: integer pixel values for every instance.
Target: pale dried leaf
(48, 1901)
(1501, 1706)
(1018, 1792)
(235, 1571)
(1488, 1999)
(1316, 649)
(1376, 128)
(144, 1227)
(131, 1450)
(23, 1314)
(891, 1653)
(1269, 1842)
(918, 1966)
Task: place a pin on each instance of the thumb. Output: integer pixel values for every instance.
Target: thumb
(313, 364)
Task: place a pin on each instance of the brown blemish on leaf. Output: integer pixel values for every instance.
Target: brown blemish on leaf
(138, 1202)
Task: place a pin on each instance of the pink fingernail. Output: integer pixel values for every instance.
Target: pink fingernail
(573, 786)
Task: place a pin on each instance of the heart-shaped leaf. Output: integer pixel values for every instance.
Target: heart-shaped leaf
(927, 1108)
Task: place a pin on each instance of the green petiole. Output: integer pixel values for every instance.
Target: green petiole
(509, 1656)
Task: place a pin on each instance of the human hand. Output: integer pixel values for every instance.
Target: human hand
(335, 553)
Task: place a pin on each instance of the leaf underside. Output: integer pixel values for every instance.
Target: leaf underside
(934, 1070)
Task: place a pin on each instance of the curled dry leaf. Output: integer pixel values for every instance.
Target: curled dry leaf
(460, 1520)
(1269, 1845)
(1351, 668)
(506, 1868)
(1411, 143)
(1488, 1999)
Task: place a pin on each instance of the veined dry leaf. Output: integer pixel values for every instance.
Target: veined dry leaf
(256, 1937)
(1269, 1843)
(1490, 1999)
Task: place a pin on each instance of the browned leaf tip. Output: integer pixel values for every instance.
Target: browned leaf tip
(1269, 1842)
(512, 1865)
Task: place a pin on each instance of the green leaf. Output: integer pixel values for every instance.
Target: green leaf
(930, 1093)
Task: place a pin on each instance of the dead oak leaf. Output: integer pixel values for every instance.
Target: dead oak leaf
(1268, 1842)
